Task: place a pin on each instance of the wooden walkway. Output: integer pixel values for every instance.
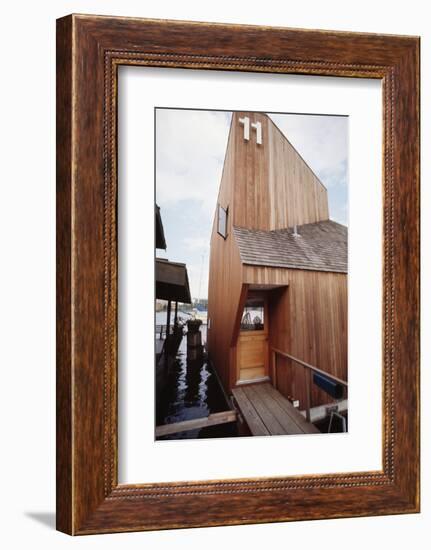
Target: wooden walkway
(267, 412)
(215, 419)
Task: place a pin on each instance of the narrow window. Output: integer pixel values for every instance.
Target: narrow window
(222, 222)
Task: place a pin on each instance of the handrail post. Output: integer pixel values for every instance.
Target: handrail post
(308, 396)
(274, 369)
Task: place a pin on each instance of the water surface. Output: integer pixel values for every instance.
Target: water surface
(192, 391)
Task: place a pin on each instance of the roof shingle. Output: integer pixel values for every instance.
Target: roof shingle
(320, 246)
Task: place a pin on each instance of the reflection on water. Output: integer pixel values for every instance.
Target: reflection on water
(192, 391)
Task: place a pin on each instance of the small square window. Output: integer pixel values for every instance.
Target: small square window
(222, 221)
(253, 315)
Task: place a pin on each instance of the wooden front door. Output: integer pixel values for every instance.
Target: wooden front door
(252, 348)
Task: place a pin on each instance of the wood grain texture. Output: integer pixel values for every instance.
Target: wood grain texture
(308, 319)
(276, 413)
(64, 449)
(252, 355)
(274, 188)
(314, 330)
(225, 279)
(214, 419)
(268, 187)
(89, 499)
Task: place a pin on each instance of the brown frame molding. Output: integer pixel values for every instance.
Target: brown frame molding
(89, 51)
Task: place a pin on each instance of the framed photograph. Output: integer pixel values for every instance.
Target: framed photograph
(237, 339)
(237, 274)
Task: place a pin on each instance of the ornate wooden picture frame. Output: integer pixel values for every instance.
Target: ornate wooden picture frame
(89, 51)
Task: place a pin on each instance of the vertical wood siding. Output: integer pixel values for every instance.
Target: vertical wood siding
(225, 278)
(269, 187)
(274, 187)
(309, 321)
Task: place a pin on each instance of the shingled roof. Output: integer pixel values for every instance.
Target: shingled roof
(320, 246)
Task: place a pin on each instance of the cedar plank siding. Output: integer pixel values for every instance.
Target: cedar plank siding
(270, 187)
(225, 276)
(309, 321)
(274, 188)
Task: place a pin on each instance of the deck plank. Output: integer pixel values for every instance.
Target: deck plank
(254, 422)
(268, 412)
(224, 417)
(307, 427)
(259, 401)
(287, 416)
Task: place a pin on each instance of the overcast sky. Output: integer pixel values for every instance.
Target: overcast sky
(190, 150)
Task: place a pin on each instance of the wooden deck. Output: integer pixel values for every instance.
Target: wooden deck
(215, 419)
(267, 412)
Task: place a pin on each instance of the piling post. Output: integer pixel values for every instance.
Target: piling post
(168, 325)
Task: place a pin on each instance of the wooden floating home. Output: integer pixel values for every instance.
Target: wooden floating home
(277, 300)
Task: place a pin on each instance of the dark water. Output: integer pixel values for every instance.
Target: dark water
(192, 391)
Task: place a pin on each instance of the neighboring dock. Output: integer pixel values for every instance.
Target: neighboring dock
(191, 402)
(267, 412)
(215, 419)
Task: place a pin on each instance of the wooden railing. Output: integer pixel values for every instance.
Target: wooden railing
(308, 370)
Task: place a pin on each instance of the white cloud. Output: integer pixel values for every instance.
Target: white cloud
(199, 244)
(321, 141)
(190, 147)
(198, 274)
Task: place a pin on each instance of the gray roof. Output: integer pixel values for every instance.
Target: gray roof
(320, 246)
